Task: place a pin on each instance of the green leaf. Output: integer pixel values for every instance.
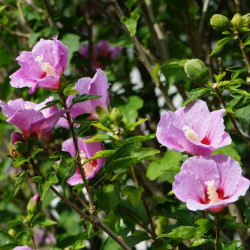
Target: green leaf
(131, 22)
(127, 155)
(110, 244)
(196, 94)
(232, 246)
(132, 126)
(108, 197)
(181, 233)
(50, 104)
(220, 44)
(166, 168)
(199, 242)
(73, 43)
(70, 90)
(173, 70)
(123, 41)
(98, 137)
(204, 225)
(129, 110)
(6, 239)
(44, 187)
(82, 119)
(243, 115)
(228, 150)
(134, 194)
(138, 138)
(99, 154)
(84, 98)
(219, 77)
(21, 177)
(41, 220)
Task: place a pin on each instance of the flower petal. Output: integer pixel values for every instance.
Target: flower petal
(230, 173)
(196, 116)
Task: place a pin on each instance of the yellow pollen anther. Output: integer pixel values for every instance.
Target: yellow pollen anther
(45, 66)
(190, 134)
(212, 193)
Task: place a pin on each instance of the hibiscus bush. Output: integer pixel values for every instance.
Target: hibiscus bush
(125, 124)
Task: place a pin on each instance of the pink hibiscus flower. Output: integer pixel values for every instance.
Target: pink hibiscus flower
(87, 150)
(42, 67)
(209, 182)
(193, 129)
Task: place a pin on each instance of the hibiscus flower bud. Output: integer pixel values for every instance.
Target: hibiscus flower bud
(16, 137)
(197, 71)
(33, 204)
(116, 116)
(237, 22)
(219, 22)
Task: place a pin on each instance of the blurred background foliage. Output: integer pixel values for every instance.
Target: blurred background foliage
(186, 34)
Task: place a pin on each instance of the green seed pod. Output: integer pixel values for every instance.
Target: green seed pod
(197, 71)
(220, 23)
(237, 22)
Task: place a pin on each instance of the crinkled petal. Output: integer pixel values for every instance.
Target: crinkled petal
(48, 49)
(216, 132)
(75, 179)
(99, 86)
(29, 66)
(226, 140)
(169, 132)
(204, 168)
(19, 79)
(22, 248)
(12, 107)
(68, 146)
(230, 173)
(240, 190)
(24, 120)
(49, 82)
(196, 116)
(187, 186)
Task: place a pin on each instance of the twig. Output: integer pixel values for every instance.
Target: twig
(143, 58)
(145, 204)
(243, 51)
(16, 33)
(203, 17)
(236, 129)
(75, 141)
(47, 5)
(134, 219)
(155, 30)
(217, 234)
(95, 220)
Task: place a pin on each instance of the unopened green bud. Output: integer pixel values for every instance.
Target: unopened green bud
(12, 232)
(237, 22)
(219, 22)
(116, 116)
(33, 204)
(197, 71)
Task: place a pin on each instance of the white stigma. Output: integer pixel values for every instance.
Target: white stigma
(211, 192)
(190, 134)
(45, 66)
